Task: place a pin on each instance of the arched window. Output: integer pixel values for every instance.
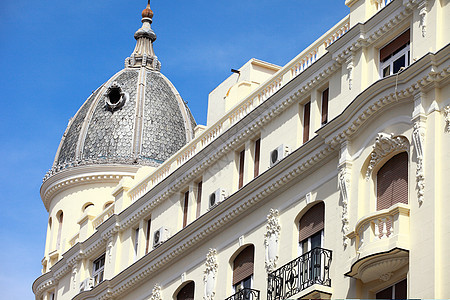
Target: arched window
(87, 205)
(392, 182)
(58, 237)
(187, 292)
(311, 228)
(243, 269)
(315, 262)
(107, 204)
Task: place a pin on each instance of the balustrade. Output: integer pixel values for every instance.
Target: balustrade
(372, 230)
(108, 212)
(245, 294)
(311, 268)
(261, 94)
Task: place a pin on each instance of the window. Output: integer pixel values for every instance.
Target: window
(58, 237)
(325, 106)
(392, 182)
(185, 208)
(395, 55)
(241, 168)
(257, 155)
(97, 269)
(147, 235)
(306, 119)
(310, 243)
(187, 292)
(199, 198)
(397, 291)
(136, 242)
(243, 269)
(311, 228)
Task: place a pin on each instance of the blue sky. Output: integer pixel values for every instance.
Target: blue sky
(55, 53)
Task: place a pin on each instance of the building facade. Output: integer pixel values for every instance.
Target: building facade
(324, 178)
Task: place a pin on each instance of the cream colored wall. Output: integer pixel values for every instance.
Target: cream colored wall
(428, 270)
(234, 89)
(71, 202)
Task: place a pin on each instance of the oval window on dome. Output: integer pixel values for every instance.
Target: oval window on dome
(115, 96)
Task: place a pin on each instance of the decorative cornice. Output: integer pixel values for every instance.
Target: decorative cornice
(81, 175)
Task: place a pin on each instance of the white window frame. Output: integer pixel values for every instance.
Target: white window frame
(390, 62)
(98, 275)
(136, 243)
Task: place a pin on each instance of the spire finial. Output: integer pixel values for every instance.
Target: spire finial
(143, 54)
(147, 13)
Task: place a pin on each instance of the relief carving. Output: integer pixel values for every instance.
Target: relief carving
(344, 184)
(209, 275)
(447, 118)
(273, 229)
(418, 138)
(156, 293)
(384, 145)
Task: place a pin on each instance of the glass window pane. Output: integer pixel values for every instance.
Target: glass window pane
(387, 71)
(400, 62)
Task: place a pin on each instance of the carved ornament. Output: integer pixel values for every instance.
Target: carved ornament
(156, 293)
(209, 275)
(385, 144)
(447, 118)
(419, 139)
(273, 229)
(344, 185)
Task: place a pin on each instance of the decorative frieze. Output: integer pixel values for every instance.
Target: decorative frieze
(271, 237)
(385, 144)
(209, 275)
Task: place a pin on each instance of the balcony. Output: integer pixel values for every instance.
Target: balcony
(245, 294)
(381, 241)
(303, 274)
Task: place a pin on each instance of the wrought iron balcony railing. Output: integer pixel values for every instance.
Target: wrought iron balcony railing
(311, 268)
(245, 294)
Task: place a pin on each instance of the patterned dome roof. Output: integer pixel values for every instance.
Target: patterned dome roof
(136, 118)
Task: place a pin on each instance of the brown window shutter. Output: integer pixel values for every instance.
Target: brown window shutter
(392, 182)
(187, 292)
(312, 221)
(393, 46)
(243, 264)
(257, 155)
(306, 118)
(199, 198)
(325, 106)
(241, 168)
(147, 237)
(185, 209)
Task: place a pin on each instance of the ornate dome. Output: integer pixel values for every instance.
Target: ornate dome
(136, 117)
